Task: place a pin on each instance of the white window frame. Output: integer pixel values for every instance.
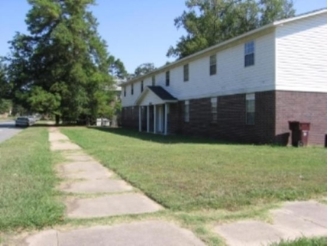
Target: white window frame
(249, 55)
(250, 109)
(214, 109)
(186, 111)
(213, 65)
(153, 80)
(167, 78)
(186, 72)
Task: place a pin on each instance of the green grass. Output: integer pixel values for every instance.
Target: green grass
(322, 241)
(27, 198)
(194, 174)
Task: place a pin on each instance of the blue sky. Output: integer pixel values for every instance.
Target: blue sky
(135, 31)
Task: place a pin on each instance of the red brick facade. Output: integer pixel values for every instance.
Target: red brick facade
(302, 106)
(273, 110)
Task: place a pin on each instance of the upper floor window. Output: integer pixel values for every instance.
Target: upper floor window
(214, 109)
(249, 53)
(250, 109)
(131, 89)
(153, 80)
(167, 78)
(124, 91)
(212, 64)
(186, 73)
(186, 111)
(142, 86)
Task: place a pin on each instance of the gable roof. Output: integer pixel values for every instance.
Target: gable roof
(214, 47)
(162, 94)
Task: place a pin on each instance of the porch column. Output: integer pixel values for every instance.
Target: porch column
(148, 118)
(165, 118)
(140, 120)
(155, 119)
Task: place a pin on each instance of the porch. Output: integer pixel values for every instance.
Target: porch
(154, 105)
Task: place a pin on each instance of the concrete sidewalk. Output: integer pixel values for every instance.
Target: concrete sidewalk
(293, 220)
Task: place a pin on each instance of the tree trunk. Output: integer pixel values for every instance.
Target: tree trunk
(57, 120)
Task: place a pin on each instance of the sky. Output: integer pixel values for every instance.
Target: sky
(136, 31)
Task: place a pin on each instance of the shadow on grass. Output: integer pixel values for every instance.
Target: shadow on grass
(169, 139)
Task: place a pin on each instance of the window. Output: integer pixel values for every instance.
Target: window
(212, 64)
(142, 86)
(131, 89)
(214, 109)
(167, 78)
(186, 73)
(124, 91)
(249, 54)
(186, 111)
(153, 81)
(250, 109)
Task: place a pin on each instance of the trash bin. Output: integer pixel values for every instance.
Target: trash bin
(300, 133)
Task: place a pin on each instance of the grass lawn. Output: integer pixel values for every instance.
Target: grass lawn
(193, 174)
(322, 241)
(27, 198)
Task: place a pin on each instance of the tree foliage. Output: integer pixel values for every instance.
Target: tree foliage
(117, 68)
(208, 22)
(62, 66)
(144, 69)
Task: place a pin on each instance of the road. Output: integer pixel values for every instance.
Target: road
(8, 130)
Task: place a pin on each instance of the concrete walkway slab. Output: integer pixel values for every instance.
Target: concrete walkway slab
(293, 220)
(96, 186)
(249, 233)
(60, 146)
(293, 226)
(309, 210)
(79, 157)
(48, 238)
(77, 167)
(57, 136)
(112, 205)
(135, 234)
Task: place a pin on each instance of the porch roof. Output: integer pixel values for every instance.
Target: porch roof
(155, 95)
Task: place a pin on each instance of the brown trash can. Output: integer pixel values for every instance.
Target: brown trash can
(300, 133)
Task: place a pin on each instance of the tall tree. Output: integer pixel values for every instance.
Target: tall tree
(143, 69)
(208, 22)
(61, 67)
(117, 68)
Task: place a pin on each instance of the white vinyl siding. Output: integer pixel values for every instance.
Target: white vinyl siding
(234, 78)
(301, 55)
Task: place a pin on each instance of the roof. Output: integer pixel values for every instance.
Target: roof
(162, 93)
(212, 48)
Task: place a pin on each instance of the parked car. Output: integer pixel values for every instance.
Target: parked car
(24, 121)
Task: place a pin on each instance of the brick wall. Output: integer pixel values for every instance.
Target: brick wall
(231, 119)
(302, 106)
(130, 117)
(273, 110)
